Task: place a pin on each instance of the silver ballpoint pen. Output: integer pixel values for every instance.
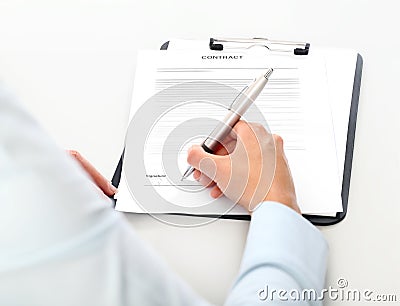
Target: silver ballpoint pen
(235, 112)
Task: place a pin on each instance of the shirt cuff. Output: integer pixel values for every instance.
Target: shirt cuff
(281, 237)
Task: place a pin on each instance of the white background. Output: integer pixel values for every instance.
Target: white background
(73, 62)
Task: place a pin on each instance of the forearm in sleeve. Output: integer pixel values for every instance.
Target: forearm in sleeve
(284, 260)
(61, 242)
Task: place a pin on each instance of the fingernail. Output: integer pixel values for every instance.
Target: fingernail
(196, 175)
(214, 194)
(112, 188)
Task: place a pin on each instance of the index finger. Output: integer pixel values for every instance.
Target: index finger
(96, 176)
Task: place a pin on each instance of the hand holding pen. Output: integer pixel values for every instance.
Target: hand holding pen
(235, 112)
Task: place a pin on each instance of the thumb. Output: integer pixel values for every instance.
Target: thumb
(207, 163)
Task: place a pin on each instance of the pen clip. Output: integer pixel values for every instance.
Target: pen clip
(236, 98)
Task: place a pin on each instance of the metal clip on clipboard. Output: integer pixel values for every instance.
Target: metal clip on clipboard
(298, 48)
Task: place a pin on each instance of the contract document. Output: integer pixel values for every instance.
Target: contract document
(179, 96)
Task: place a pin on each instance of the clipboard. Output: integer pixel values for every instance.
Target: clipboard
(297, 49)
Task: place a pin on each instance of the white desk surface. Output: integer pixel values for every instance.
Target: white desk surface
(72, 63)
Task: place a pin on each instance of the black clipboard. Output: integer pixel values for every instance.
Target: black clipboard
(351, 130)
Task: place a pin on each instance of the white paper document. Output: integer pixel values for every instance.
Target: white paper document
(295, 104)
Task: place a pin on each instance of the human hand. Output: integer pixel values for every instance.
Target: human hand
(96, 176)
(250, 167)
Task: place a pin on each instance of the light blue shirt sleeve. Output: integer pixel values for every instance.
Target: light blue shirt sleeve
(284, 260)
(62, 243)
